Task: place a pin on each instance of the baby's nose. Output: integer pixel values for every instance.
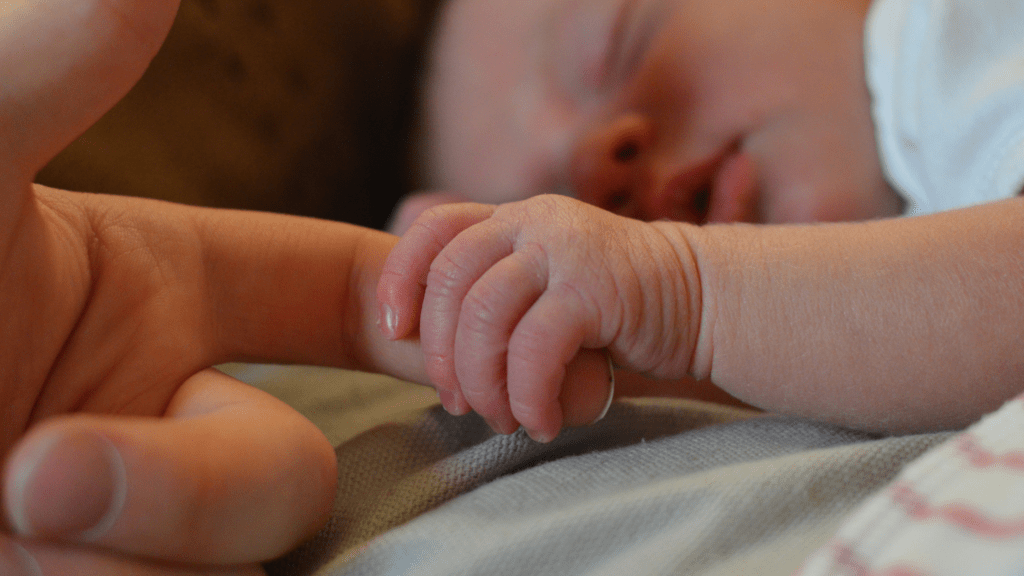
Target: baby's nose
(609, 166)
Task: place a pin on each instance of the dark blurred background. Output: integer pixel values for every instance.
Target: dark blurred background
(296, 106)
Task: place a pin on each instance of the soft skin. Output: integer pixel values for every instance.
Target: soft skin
(625, 103)
(124, 452)
(891, 325)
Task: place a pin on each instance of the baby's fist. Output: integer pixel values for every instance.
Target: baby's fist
(515, 303)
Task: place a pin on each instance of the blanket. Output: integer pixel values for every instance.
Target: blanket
(959, 509)
(657, 487)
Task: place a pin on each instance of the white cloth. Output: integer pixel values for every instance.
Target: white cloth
(957, 510)
(947, 82)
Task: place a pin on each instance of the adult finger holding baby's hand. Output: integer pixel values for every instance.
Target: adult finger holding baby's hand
(123, 453)
(519, 299)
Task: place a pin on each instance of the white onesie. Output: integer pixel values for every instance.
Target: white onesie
(947, 79)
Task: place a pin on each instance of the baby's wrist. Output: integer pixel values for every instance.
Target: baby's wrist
(676, 266)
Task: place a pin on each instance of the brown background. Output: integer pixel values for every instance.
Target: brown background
(297, 106)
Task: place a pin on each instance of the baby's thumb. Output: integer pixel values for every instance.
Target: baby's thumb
(63, 64)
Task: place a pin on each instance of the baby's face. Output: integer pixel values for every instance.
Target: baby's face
(696, 110)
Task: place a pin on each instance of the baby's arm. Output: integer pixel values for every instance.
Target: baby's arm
(893, 325)
(890, 325)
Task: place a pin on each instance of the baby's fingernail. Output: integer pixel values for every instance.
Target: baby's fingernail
(537, 436)
(16, 561)
(494, 426)
(447, 400)
(387, 320)
(67, 485)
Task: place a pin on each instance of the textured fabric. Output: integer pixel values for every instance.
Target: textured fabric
(342, 403)
(658, 487)
(947, 79)
(957, 510)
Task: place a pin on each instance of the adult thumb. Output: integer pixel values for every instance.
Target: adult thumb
(63, 63)
(230, 475)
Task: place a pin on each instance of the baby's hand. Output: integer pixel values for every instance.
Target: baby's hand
(411, 206)
(515, 302)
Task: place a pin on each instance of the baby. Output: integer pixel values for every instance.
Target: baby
(722, 113)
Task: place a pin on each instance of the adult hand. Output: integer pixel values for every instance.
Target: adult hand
(124, 452)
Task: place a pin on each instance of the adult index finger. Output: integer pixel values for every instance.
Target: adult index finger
(227, 285)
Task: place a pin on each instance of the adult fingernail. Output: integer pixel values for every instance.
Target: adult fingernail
(16, 561)
(387, 320)
(70, 485)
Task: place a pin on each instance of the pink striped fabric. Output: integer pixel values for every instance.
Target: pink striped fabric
(957, 510)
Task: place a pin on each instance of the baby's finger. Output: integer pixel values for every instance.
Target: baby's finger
(452, 274)
(66, 63)
(488, 316)
(544, 343)
(231, 475)
(403, 279)
(50, 559)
